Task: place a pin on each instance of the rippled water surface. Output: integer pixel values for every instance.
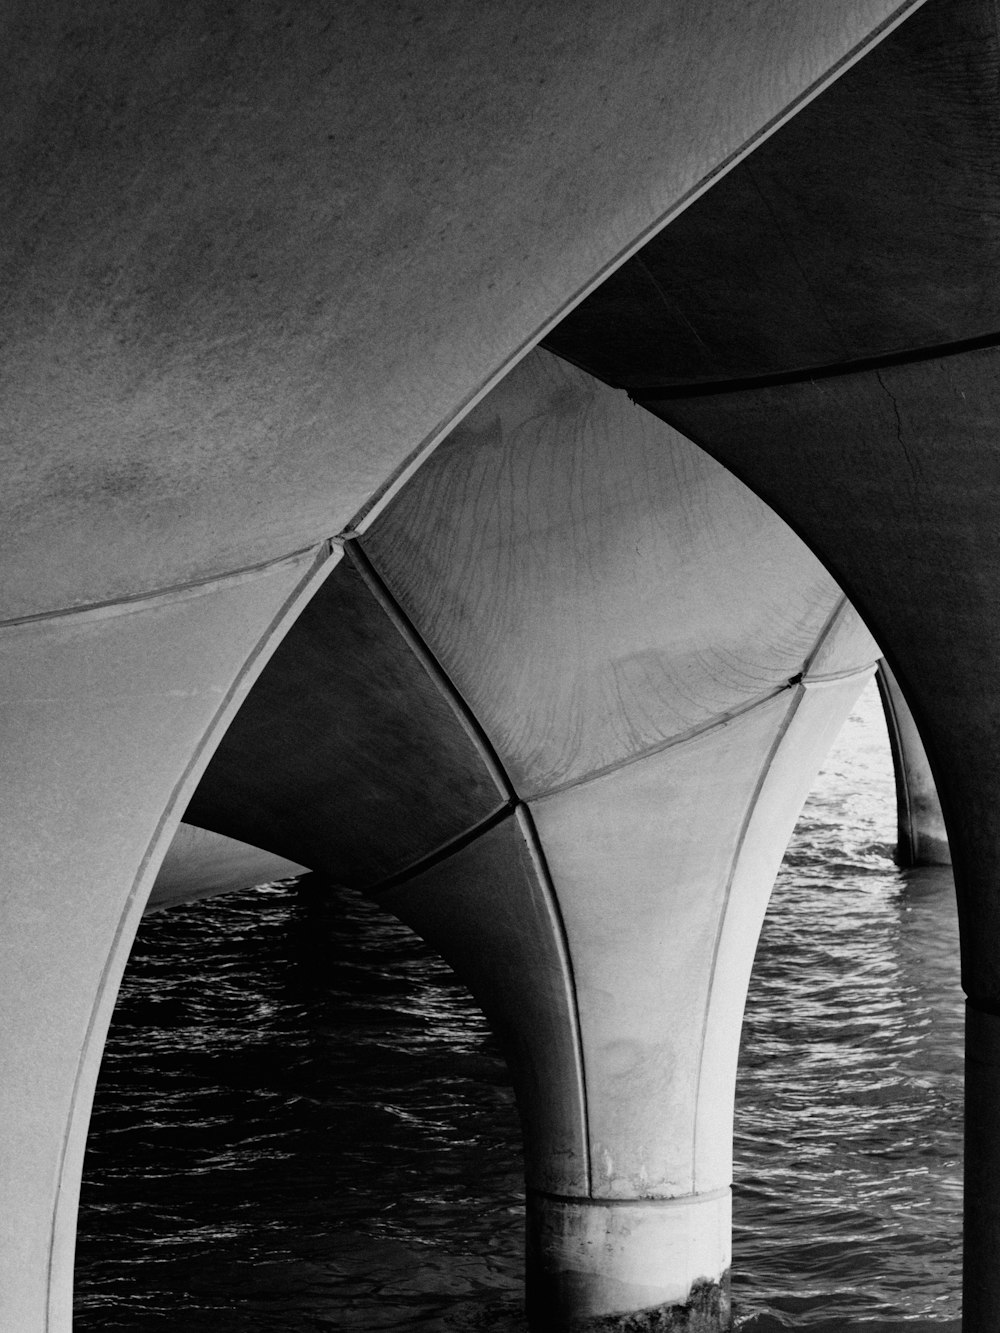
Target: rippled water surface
(304, 1124)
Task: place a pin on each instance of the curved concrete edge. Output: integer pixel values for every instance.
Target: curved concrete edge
(629, 1264)
(200, 864)
(108, 719)
(844, 646)
(479, 172)
(791, 770)
(489, 910)
(592, 583)
(922, 836)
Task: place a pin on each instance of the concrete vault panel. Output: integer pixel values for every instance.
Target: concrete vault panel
(641, 862)
(254, 257)
(592, 583)
(902, 476)
(867, 225)
(490, 911)
(347, 757)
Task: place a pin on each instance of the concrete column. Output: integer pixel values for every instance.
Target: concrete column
(593, 1257)
(923, 838)
(659, 668)
(981, 1295)
(608, 932)
(108, 716)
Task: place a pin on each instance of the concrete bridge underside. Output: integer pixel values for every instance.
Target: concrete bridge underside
(469, 452)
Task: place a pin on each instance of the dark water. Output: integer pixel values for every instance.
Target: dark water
(303, 1123)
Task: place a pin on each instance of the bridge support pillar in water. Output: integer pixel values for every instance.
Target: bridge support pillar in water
(663, 1261)
(577, 634)
(930, 600)
(657, 668)
(109, 714)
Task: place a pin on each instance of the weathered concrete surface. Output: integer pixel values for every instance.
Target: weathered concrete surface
(627, 1266)
(922, 836)
(255, 259)
(592, 585)
(107, 718)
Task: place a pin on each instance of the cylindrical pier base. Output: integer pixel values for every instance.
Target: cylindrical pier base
(634, 1264)
(981, 1279)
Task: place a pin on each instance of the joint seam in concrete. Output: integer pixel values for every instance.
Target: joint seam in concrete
(522, 817)
(837, 677)
(529, 832)
(751, 807)
(384, 494)
(714, 723)
(825, 633)
(179, 798)
(512, 806)
(173, 592)
(647, 1201)
(432, 667)
(806, 374)
(439, 854)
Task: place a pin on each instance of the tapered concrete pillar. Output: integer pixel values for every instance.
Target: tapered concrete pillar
(658, 666)
(922, 836)
(576, 681)
(108, 717)
(930, 598)
(608, 931)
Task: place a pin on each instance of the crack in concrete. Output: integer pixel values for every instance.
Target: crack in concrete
(914, 470)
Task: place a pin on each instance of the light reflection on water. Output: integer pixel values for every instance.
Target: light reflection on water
(849, 1112)
(303, 1123)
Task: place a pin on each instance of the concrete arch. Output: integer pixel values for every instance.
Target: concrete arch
(110, 714)
(873, 435)
(256, 265)
(576, 682)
